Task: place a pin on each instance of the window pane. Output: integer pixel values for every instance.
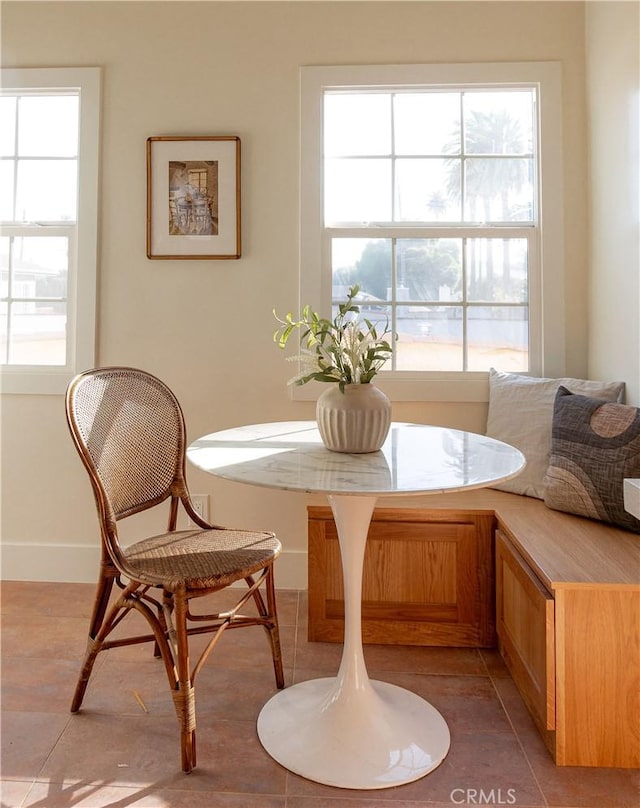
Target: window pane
(6, 190)
(427, 123)
(378, 315)
(430, 269)
(7, 126)
(4, 264)
(498, 337)
(357, 190)
(429, 338)
(46, 190)
(40, 266)
(37, 333)
(498, 122)
(365, 262)
(497, 270)
(427, 190)
(357, 124)
(36, 326)
(3, 333)
(41, 254)
(59, 137)
(498, 189)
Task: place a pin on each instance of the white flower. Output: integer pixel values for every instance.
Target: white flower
(308, 363)
(347, 350)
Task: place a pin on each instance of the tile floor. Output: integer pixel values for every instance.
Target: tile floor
(112, 753)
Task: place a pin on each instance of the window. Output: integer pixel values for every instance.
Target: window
(48, 237)
(422, 184)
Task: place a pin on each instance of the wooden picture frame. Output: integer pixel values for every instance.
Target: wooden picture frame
(193, 198)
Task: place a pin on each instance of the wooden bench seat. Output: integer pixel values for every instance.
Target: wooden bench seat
(558, 594)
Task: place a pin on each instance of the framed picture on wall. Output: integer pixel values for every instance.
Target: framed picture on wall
(193, 197)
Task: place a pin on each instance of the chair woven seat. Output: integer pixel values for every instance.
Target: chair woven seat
(200, 559)
(129, 430)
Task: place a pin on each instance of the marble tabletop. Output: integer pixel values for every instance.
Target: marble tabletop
(415, 458)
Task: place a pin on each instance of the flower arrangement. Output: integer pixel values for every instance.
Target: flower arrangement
(346, 350)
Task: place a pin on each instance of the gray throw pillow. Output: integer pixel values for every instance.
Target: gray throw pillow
(521, 412)
(594, 445)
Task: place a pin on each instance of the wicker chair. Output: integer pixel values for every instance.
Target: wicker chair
(129, 430)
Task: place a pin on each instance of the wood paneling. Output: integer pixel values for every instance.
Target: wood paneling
(525, 625)
(428, 578)
(598, 677)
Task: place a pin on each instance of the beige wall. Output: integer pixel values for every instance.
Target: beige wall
(205, 327)
(613, 82)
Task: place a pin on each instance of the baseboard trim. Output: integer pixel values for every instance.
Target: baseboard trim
(72, 563)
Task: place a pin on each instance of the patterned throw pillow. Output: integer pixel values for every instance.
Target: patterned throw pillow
(594, 446)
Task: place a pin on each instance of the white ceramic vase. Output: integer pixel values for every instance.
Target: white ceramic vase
(356, 420)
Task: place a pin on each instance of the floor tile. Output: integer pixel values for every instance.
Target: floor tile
(14, 792)
(80, 795)
(143, 751)
(494, 663)
(130, 688)
(27, 741)
(46, 599)
(324, 656)
(415, 659)
(38, 685)
(50, 637)
(338, 800)
(467, 703)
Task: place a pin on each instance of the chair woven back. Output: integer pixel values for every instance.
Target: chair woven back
(129, 430)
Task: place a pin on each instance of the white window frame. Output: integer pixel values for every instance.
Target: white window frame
(546, 279)
(83, 252)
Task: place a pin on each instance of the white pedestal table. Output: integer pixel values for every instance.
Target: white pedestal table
(349, 731)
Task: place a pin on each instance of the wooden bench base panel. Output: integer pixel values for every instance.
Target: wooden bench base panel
(428, 578)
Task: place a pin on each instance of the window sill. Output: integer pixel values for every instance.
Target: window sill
(16, 381)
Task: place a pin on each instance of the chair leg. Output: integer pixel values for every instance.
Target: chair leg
(273, 630)
(85, 674)
(103, 593)
(108, 574)
(184, 694)
(167, 599)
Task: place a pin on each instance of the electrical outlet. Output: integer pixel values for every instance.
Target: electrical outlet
(200, 503)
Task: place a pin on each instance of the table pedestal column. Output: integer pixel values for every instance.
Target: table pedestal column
(349, 731)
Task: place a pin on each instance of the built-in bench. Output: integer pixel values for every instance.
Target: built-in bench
(558, 594)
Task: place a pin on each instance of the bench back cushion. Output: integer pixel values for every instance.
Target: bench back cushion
(594, 446)
(521, 412)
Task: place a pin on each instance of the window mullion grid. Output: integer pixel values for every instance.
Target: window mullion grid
(463, 174)
(394, 298)
(5, 358)
(393, 156)
(465, 308)
(14, 201)
(71, 299)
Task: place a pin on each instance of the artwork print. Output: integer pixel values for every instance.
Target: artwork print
(193, 197)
